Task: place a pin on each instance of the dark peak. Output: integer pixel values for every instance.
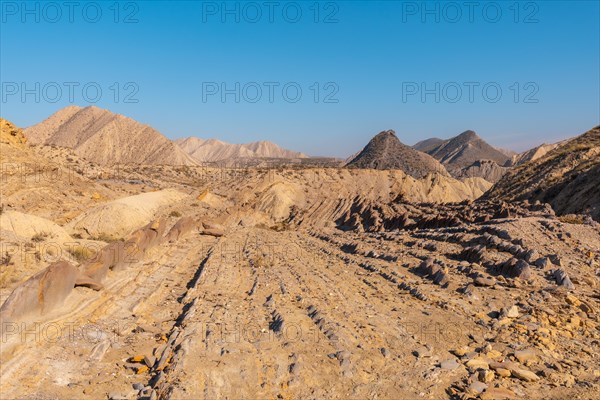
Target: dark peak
(468, 135)
(388, 133)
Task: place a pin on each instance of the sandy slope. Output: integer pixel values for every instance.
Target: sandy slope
(106, 138)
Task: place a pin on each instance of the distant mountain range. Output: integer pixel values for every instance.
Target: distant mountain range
(211, 150)
(386, 151)
(108, 138)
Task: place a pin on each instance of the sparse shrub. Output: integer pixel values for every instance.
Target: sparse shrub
(39, 237)
(6, 259)
(194, 204)
(175, 214)
(8, 278)
(103, 237)
(82, 253)
(258, 262)
(77, 236)
(280, 226)
(1, 208)
(572, 219)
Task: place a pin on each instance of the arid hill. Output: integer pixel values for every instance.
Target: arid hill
(532, 154)
(567, 177)
(107, 138)
(386, 151)
(461, 151)
(212, 150)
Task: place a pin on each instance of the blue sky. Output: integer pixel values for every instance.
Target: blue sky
(371, 63)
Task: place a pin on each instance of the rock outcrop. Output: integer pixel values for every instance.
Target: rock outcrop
(44, 291)
(11, 135)
(118, 218)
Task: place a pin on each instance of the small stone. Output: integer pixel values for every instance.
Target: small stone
(461, 352)
(569, 380)
(524, 375)
(542, 262)
(493, 354)
(142, 369)
(531, 255)
(149, 361)
(138, 386)
(572, 300)
(483, 281)
(513, 312)
(485, 376)
(422, 352)
(476, 388)
(498, 393)
(450, 364)
(526, 355)
(117, 396)
(575, 321)
(477, 363)
(136, 359)
(385, 352)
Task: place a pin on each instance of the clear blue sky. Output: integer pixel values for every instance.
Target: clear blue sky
(375, 55)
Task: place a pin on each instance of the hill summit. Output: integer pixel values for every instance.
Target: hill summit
(461, 151)
(386, 151)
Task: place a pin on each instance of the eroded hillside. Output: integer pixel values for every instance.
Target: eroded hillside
(189, 282)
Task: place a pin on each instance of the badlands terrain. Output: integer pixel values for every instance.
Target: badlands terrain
(168, 270)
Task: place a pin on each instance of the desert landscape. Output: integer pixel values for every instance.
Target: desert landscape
(199, 269)
(299, 200)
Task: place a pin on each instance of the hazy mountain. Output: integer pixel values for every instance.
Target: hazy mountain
(507, 152)
(385, 151)
(462, 150)
(211, 150)
(107, 138)
(427, 144)
(533, 154)
(567, 177)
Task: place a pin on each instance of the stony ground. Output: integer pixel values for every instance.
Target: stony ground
(406, 301)
(325, 314)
